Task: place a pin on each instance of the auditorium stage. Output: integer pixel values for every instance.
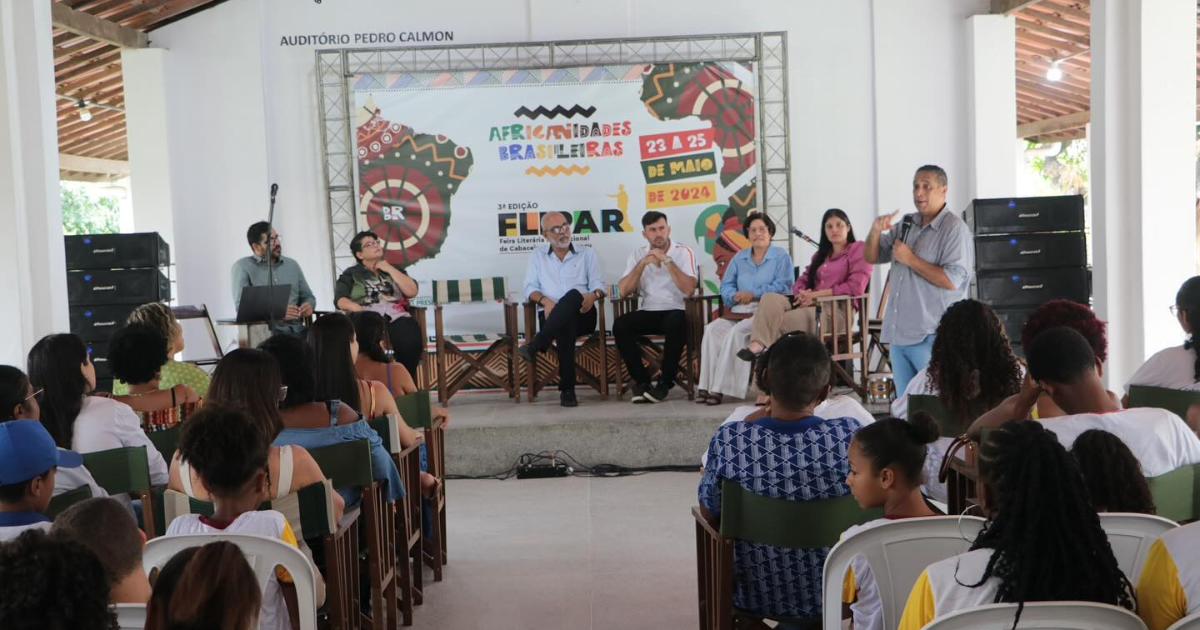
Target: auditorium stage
(488, 431)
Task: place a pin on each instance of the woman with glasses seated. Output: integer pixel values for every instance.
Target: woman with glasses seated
(374, 284)
(136, 355)
(1177, 367)
(250, 379)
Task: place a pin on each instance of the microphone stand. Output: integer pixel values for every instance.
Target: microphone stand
(270, 261)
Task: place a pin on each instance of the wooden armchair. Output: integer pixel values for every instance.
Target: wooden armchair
(591, 356)
(875, 331)
(652, 352)
(842, 336)
(469, 365)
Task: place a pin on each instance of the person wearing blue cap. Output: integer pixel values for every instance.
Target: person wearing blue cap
(28, 461)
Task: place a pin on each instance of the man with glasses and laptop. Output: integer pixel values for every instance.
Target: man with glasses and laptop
(565, 282)
(251, 271)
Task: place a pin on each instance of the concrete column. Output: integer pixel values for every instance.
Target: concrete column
(146, 129)
(1143, 179)
(31, 241)
(993, 106)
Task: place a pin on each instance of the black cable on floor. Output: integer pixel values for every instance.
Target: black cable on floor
(579, 469)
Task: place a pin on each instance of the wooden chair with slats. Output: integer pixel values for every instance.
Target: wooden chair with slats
(875, 332)
(591, 356)
(469, 365)
(125, 471)
(848, 327)
(652, 351)
(408, 514)
(416, 410)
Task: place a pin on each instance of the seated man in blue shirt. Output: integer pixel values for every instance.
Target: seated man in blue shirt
(252, 271)
(784, 453)
(565, 282)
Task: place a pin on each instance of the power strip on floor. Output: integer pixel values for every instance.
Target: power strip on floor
(543, 470)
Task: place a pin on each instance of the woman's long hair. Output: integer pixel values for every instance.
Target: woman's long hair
(249, 379)
(330, 338)
(55, 364)
(205, 587)
(1113, 475)
(1044, 532)
(825, 248)
(971, 340)
(1188, 300)
(371, 329)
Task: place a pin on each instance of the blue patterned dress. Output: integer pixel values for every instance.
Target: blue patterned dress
(799, 460)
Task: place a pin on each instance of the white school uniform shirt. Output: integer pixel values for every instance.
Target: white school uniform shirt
(1159, 439)
(266, 523)
(1169, 587)
(939, 590)
(656, 288)
(1174, 368)
(859, 588)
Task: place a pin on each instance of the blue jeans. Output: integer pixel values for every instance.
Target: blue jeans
(908, 360)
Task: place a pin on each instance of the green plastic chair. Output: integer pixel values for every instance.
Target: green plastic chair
(1175, 493)
(66, 500)
(125, 471)
(416, 409)
(165, 442)
(348, 465)
(776, 522)
(1177, 401)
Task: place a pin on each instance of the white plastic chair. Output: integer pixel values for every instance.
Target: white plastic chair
(263, 554)
(897, 552)
(131, 616)
(1190, 622)
(1131, 536)
(1041, 615)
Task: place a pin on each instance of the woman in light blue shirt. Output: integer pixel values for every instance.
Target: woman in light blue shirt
(756, 270)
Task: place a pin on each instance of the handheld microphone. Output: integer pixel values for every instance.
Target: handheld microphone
(805, 237)
(905, 227)
(274, 191)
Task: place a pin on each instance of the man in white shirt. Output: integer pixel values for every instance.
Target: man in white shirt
(1062, 364)
(662, 272)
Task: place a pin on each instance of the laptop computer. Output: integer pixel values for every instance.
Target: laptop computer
(263, 303)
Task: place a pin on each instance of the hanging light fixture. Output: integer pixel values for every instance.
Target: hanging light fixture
(1055, 72)
(85, 114)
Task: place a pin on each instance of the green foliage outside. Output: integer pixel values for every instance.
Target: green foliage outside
(1066, 172)
(84, 212)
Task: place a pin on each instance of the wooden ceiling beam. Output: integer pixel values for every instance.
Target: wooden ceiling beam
(132, 13)
(97, 92)
(1076, 87)
(1062, 11)
(86, 82)
(1040, 107)
(1054, 125)
(1055, 94)
(92, 132)
(96, 28)
(115, 153)
(1033, 27)
(95, 166)
(1081, 28)
(62, 54)
(106, 58)
(68, 128)
(1045, 43)
(1043, 61)
(110, 147)
(1008, 7)
(87, 146)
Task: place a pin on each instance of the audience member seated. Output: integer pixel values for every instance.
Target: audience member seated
(837, 268)
(52, 584)
(886, 463)
(376, 359)
(374, 284)
(28, 461)
(972, 368)
(205, 587)
(313, 424)
(1076, 316)
(229, 453)
(1168, 589)
(754, 272)
(1061, 364)
(335, 350)
(59, 365)
(106, 528)
(159, 317)
(18, 400)
(1113, 475)
(250, 379)
(1042, 541)
(136, 355)
(1177, 367)
(798, 456)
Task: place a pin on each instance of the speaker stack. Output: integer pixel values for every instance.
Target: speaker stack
(108, 276)
(1028, 251)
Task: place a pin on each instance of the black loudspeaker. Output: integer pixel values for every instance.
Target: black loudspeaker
(1027, 214)
(1013, 320)
(1031, 287)
(1030, 251)
(117, 251)
(98, 351)
(117, 286)
(98, 322)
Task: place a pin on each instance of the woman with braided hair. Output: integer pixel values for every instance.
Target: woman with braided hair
(1177, 367)
(1042, 540)
(1114, 477)
(972, 368)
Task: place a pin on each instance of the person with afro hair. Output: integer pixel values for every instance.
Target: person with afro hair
(136, 355)
(1078, 317)
(52, 584)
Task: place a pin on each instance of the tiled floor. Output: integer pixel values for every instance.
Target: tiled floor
(568, 554)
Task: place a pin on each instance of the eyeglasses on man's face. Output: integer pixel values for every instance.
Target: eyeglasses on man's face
(559, 229)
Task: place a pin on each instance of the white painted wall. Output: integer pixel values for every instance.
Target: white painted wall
(993, 106)
(877, 89)
(149, 141)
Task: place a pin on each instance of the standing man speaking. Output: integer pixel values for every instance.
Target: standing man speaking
(934, 257)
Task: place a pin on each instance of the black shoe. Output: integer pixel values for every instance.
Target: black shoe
(639, 393)
(567, 399)
(657, 394)
(526, 351)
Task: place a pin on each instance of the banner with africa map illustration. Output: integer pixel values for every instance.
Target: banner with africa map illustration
(455, 169)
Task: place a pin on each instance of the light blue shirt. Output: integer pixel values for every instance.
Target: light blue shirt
(915, 305)
(773, 275)
(579, 270)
